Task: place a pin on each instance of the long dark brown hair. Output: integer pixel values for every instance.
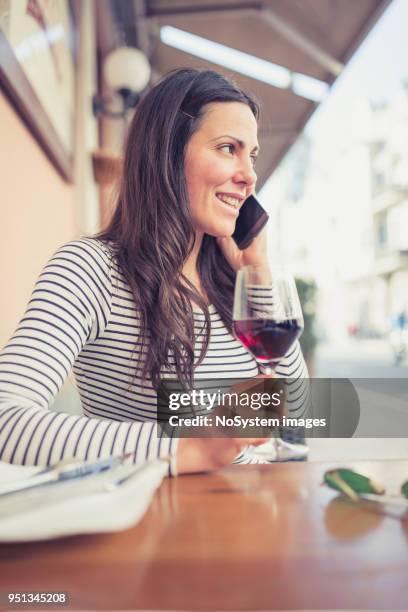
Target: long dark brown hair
(152, 230)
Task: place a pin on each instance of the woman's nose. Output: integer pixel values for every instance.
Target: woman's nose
(246, 174)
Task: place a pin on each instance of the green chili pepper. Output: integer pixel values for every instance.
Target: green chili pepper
(404, 489)
(351, 483)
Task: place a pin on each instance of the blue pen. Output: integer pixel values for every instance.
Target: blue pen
(64, 471)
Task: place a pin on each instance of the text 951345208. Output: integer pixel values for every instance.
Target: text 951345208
(34, 598)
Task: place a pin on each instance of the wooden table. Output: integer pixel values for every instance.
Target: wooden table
(246, 538)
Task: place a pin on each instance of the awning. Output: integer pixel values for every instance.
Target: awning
(310, 37)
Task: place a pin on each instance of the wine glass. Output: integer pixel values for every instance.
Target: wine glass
(267, 320)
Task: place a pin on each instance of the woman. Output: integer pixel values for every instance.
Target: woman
(150, 295)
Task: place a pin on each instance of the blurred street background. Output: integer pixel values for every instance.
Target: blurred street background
(339, 205)
(372, 358)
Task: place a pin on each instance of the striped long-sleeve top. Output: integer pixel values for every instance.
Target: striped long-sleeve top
(82, 316)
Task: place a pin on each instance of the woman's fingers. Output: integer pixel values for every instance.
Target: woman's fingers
(208, 454)
(255, 254)
(255, 441)
(231, 252)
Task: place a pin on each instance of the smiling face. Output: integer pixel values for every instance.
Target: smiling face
(219, 166)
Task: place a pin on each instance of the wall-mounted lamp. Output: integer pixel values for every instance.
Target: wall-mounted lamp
(126, 71)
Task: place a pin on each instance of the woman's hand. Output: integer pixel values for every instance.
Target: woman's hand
(208, 454)
(254, 255)
(211, 453)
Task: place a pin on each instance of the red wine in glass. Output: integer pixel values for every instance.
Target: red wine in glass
(267, 320)
(268, 339)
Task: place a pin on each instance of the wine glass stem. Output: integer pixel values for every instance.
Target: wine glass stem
(268, 371)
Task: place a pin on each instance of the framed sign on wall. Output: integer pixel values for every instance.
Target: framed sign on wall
(37, 72)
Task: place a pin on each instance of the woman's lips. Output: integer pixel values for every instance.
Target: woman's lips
(234, 199)
(232, 210)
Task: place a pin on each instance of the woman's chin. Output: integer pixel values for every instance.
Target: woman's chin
(224, 231)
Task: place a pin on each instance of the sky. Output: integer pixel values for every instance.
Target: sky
(374, 73)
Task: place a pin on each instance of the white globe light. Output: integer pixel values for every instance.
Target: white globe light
(126, 68)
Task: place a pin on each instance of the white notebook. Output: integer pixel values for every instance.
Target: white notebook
(88, 505)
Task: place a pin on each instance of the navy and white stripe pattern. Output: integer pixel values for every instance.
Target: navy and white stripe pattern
(82, 316)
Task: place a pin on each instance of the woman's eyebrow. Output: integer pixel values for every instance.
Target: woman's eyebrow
(240, 142)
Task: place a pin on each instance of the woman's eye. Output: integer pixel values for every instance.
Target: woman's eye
(229, 147)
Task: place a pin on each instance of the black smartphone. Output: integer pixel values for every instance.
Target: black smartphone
(251, 219)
